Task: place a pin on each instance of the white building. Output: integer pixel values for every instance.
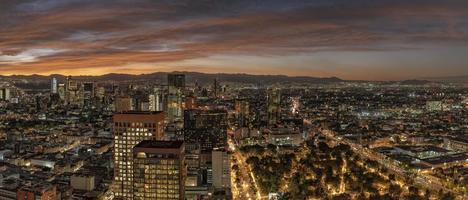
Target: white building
(221, 169)
(82, 182)
(53, 86)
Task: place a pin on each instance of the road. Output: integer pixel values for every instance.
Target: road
(248, 188)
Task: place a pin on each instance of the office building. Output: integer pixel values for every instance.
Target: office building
(61, 90)
(221, 168)
(174, 106)
(53, 85)
(176, 87)
(130, 128)
(207, 128)
(273, 106)
(242, 112)
(176, 81)
(5, 94)
(156, 100)
(159, 170)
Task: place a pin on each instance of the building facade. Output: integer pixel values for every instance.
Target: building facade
(159, 170)
(130, 128)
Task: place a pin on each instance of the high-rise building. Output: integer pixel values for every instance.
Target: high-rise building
(273, 106)
(176, 87)
(130, 128)
(61, 91)
(88, 93)
(221, 168)
(155, 100)
(159, 170)
(242, 111)
(208, 128)
(190, 102)
(53, 85)
(72, 92)
(174, 106)
(5, 94)
(88, 88)
(72, 85)
(176, 80)
(215, 88)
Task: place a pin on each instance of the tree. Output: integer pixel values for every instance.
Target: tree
(272, 148)
(413, 190)
(235, 167)
(391, 177)
(447, 196)
(342, 197)
(394, 190)
(254, 160)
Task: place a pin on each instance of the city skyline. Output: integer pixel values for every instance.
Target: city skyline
(359, 40)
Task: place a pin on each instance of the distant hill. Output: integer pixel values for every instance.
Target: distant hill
(415, 82)
(449, 79)
(201, 78)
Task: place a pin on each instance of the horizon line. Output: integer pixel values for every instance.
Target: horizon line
(239, 73)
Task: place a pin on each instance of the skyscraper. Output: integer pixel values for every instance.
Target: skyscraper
(208, 128)
(176, 86)
(176, 80)
(88, 93)
(221, 167)
(5, 94)
(130, 128)
(242, 112)
(155, 100)
(72, 92)
(273, 106)
(215, 88)
(159, 170)
(53, 85)
(61, 91)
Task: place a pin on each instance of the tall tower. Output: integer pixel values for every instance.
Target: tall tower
(130, 128)
(215, 88)
(242, 112)
(273, 106)
(155, 100)
(176, 80)
(221, 166)
(176, 87)
(159, 170)
(53, 85)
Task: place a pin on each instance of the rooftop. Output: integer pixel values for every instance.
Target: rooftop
(140, 112)
(160, 144)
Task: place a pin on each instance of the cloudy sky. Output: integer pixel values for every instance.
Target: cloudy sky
(358, 39)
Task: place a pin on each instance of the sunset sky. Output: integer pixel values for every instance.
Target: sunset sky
(349, 39)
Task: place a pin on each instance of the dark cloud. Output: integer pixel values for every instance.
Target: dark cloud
(73, 34)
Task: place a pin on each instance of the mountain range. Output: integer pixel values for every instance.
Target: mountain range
(205, 78)
(201, 78)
